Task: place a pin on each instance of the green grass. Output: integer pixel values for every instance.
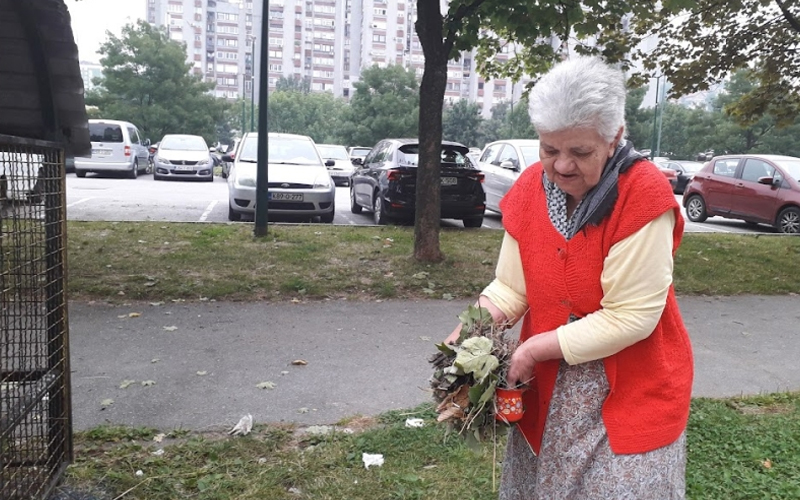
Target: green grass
(739, 448)
(160, 261)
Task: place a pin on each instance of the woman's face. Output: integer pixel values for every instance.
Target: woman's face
(574, 158)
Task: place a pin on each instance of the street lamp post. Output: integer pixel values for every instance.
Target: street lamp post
(252, 83)
(262, 191)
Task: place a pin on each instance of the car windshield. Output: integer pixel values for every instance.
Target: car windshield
(360, 151)
(183, 143)
(291, 150)
(692, 167)
(408, 155)
(105, 132)
(530, 154)
(791, 167)
(333, 152)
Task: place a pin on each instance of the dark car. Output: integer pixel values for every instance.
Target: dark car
(684, 171)
(386, 183)
(754, 188)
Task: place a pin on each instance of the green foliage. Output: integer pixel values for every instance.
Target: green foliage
(318, 115)
(293, 83)
(461, 122)
(385, 104)
(714, 39)
(147, 81)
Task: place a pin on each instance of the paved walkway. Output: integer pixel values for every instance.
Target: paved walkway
(207, 359)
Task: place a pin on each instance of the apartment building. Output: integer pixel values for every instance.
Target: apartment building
(326, 42)
(221, 38)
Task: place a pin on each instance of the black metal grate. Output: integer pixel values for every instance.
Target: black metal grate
(35, 415)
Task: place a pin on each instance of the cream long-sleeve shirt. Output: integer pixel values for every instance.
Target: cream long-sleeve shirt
(636, 277)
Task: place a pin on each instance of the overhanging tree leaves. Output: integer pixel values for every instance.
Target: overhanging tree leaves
(703, 41)
(541, 33)
(317, 115)
(147, 81)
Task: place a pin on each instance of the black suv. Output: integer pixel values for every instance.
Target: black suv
(386, 183)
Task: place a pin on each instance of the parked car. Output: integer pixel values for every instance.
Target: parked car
(117, 146)
(231, 153)
(342, 167)
(182, 156)
(386, 183)
(298, 180)
(684, 171)
(670, 174)
(754, 188)
(357, 154)
(502, 162)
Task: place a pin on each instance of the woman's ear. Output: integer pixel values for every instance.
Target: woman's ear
(616, 140)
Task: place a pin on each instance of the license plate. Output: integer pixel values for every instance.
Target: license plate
(101, 152)
(286, 196)
(449, 181)
(184, 169)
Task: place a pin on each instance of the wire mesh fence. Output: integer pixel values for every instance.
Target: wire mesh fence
(35, 415)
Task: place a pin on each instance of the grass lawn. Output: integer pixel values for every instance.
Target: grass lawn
(161, 261)
(739, 448)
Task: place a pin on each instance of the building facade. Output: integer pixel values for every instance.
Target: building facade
(221, 38)
(325, 42)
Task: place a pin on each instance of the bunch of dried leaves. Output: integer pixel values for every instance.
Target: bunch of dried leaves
(466, 374)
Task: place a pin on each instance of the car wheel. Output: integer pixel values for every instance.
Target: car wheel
(696, 209)
(150, 167)
(80, 173)
(328, 218)
(134, 173)
(233, 215)
(789, 220)
(354, 206)
(473, 222)
(377, 211)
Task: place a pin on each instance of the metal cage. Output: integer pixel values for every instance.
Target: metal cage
(35, 413)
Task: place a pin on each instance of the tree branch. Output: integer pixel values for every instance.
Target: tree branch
(793, 22)
(463, 11)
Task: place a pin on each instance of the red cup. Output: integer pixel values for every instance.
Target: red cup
(508, 405)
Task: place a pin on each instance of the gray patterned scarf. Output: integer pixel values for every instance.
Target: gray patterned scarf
(599, 201)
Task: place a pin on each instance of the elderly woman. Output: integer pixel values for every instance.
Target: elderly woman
(587, 261)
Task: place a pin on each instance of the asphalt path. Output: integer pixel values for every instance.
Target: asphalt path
(99, 198)
(205, 364)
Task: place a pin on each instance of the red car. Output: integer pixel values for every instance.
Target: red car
(754, 188)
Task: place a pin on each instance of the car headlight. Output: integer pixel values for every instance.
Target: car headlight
(246, 179)
(323, 181)
(159, 159)
(204, 161)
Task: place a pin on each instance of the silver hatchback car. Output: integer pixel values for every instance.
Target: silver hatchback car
(299, 184)
(181, 156)
(117, 147)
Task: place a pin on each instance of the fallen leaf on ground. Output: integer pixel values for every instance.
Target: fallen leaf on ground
(122, 316)
(767, 463)
(302, 410)
(201, 373)
(266, 385)
(159, 437)
(296, 301)
(156, 304)
(126, 383)
(134, 315)
(120, 293)
(170, 328)
(447, 296)
(300, 362)
(106, 402)
(425, 338)
(284, 372)
(155, 360)
(148, 383)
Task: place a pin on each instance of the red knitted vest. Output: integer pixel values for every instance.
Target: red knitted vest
(651, 381)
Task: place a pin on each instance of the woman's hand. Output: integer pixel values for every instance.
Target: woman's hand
(534, 350)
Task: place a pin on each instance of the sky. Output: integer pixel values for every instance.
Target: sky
(92, 18)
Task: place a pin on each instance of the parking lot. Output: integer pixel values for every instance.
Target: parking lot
(95, 198)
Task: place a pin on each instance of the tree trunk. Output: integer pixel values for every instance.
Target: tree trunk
(431, 97)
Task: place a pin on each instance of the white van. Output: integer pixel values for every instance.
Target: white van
(116, 147)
